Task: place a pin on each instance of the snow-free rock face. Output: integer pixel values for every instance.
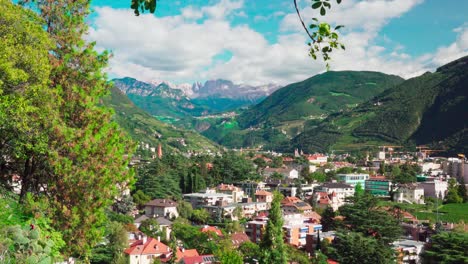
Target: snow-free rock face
(211, 88)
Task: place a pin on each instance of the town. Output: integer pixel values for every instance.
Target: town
(410, 187)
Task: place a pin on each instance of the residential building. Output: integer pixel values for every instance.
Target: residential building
(409, 193)
(354, 178)
(313, 238)
(212, 229)
(203, 259)
(146, 250)
(296, 227)
(239, 238)
(435, 188)
(209, 197)
(161, 207)
(263, 196)
(288, 173)
(182, 253)
(295, 205)
(318, 159)
(342, 190)
(457, 168)
(378, 186)
(236, 192)
(409, 251)
(323, 200)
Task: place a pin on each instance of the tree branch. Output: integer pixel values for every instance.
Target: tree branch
(302, 22)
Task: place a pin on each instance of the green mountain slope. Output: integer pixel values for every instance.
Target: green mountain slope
(146, 129)
(429, 109)
(319, 95)
(281, 116)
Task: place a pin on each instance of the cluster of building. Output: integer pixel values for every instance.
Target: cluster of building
(301, 227)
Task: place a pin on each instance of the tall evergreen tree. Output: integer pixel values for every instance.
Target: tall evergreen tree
(272, 245)
(87, 153)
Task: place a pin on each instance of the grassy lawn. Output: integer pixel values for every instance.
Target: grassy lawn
(447, 212)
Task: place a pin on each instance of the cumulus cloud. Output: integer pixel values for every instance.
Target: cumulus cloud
(186, 47)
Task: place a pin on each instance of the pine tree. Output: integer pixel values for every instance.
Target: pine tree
(88, 153)
(272, 245)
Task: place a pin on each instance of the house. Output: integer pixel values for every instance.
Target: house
(353, 178)
(146, 250)
(409, 193)
(182, 253)
(288, 173)
(318, 159)
(161, 207)
(378, 186)
(263, 196)
(435, 188)
(295, 205)
(239, 238)
(213, 229)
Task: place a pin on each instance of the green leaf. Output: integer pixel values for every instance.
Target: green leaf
(313, 26)
(322, 11)
(338, 1)
(316, 5)
(338, 27)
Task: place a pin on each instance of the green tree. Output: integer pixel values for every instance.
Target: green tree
(26, 105)
(358, 190)
(151, 228)
(88, 154)
(354, 247)
(184, 209)
(453, 192)
(200, 216)
(364, 216)
(250, 251)
(277, 162)
(328, 221)
(462, 190)
(140, 199)
(448, 247)
(273, 249)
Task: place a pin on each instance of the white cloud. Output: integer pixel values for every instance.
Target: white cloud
(185, 47)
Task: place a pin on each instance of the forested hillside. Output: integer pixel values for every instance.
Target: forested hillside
(319, 95)
(429, 109)
(144, 128)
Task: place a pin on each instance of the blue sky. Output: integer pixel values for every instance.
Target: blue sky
(261, 41)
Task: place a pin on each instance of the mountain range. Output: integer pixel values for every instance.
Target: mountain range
(431, 109)
(164, 99)
(347, 110)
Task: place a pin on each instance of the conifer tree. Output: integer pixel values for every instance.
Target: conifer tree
(273, 249)
(88, 153)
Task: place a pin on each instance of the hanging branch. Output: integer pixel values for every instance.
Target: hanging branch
(302, 22)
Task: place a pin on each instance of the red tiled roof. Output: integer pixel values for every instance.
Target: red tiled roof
(262, 192)
(239, 238)
(151, 247)
(214, 229)
(186, 253)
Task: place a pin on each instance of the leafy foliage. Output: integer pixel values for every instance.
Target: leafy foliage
(353, 247)
(273, 249)
(448, 247)
(365, 217)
